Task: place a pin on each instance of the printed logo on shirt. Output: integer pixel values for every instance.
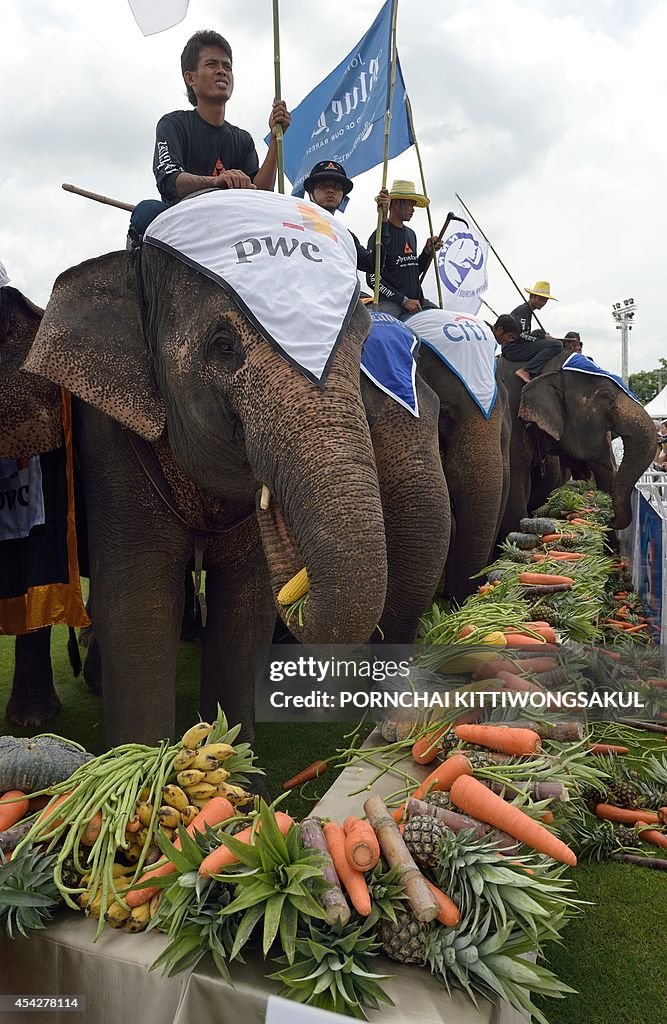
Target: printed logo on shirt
(219, 168)
(407, 248)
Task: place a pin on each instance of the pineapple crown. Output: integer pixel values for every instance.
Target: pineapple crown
(28, 892)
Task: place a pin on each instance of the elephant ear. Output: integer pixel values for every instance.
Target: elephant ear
(91, 342)
(542, 402)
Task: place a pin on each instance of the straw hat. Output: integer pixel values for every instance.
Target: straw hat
(407, 190)
(543, 289)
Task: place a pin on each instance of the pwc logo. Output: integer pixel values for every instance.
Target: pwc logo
(281, 244)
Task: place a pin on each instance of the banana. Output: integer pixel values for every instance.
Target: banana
(190, 777)
(138, 919)
(173, 796)
(154, 903)
(205, 762)
(184, 758)
(84, 899)
(232, 793)
(167, 831)
(141, 837)
(215, 777)
(169, 816)
(196, 735)
(202, 791)
(220, 750)
(94, 907)
(121, 869)
(145, 793)
(189, 813)
(133, 853)
(144, 812)
(116, 915)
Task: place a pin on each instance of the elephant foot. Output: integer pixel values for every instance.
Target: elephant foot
(92, 668)
(32, 709)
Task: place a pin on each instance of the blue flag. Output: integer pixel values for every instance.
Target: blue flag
(342, 119)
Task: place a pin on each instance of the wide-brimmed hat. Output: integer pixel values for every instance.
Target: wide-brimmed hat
(407, 190)
(328, 170)
(543, 289)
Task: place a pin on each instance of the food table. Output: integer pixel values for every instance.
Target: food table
(113, 977)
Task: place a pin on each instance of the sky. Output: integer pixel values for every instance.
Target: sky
(546, 116)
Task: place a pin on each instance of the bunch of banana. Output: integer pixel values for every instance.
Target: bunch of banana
(200, 770)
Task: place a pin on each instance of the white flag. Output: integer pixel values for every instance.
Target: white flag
(287, 263)
(157, 15)
(462, 265)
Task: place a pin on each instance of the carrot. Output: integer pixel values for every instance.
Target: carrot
(479, 802)
(518, 742)
(222, 857)
(542, 579)
(560, 556)
(581, 522)
(13, 805)
(354, 881)
(661, 684)
(92, 830)
(518, 684)
(361, 844)
(546, 631)
(466, 631)
(651, 835)
(635, 629)
(313, 771)
(625, 815)
(521, 640)
(449, 913)
(607, 748)
(547, 817)
(216, 810)
(425, 749)
(549, 538)
(439, 780)
(47, 815)
(662, 814)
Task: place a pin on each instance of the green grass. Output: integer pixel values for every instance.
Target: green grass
(613, 954)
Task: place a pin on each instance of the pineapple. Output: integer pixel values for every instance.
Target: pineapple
(386, 892)
(405, 939)
(599, 840)
(192, 918)
(624, 794)
(422, 837)
(331, 970)
(29, 875)
(438, 799)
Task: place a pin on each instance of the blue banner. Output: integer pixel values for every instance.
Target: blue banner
(342, 119)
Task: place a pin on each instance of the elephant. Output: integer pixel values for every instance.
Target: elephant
(577, 414)
(475, 452)
(195, 415)
(30, 424)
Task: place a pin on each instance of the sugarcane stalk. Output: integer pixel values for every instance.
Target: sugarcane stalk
(396, 854)
(461, 823)
(332, 900)
(13, 836)
(538, 790)
(656, 863)
(564, 732)
(646, 726)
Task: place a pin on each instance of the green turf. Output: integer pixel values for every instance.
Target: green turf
(613, 954)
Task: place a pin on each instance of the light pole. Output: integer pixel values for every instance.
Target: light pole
(624, 313)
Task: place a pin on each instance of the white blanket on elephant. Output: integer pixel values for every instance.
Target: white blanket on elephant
(467, 345)
(286, 263)
(21, 497)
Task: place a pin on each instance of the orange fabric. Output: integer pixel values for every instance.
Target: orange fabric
(57, 604)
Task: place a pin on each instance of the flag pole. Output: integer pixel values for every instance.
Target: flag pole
(408, 107)
(450, 217)
(387, 128)
(278, 91)
(494, 253)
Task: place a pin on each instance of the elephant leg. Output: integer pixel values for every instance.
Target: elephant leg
(521, 459)
(544, 481)
(475, 471)
(240, 617)
(415, 506)
(34, 699)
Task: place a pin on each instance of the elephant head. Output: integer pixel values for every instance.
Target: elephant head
(186, 361)
(580, 411)
(30, 414)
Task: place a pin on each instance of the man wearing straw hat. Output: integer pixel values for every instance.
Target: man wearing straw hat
(400, 290)
(533, 348)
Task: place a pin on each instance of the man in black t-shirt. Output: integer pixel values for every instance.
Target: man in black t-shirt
(199, 149)
(533, 348)
(400, 290)
(327, 185)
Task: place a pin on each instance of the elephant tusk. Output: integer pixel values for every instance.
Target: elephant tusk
(265, 498)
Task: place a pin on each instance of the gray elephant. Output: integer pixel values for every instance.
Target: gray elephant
(576, 414)
(30, 424)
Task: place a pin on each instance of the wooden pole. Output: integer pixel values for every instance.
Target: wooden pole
(387, 128)
(450, 216)
(278, 91)
(495, 253)
(98, 198)
(408, 107)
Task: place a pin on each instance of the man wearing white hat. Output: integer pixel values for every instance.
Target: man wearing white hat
(533, 348)
(400, 290)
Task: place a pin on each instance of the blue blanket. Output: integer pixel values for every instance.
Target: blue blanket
(388, 359)
(583, 364)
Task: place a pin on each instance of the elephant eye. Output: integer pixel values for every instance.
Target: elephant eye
(222, 342)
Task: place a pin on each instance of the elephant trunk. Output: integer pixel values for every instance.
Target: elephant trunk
(637, 431)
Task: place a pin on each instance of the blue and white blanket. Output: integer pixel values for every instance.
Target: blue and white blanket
(582, 364)
(467, 345)
(388, 359)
